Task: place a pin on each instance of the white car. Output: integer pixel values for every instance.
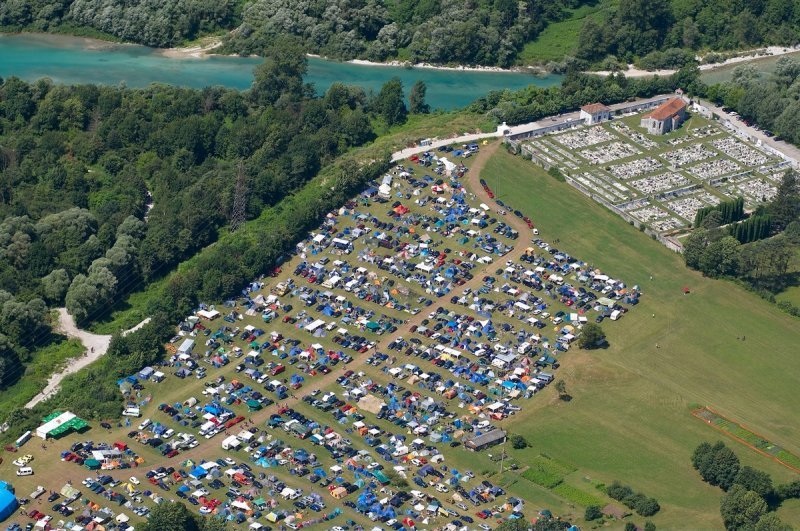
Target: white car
(205, 510)
(133, 480)
(230, 461)
(484, 527)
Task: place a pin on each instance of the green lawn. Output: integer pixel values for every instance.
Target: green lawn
(561, 38)
(44, 362)
(630, 414)
(766, 65)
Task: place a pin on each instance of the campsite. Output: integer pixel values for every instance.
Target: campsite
(374, 377)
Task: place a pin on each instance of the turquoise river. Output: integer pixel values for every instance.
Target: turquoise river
(75, 60)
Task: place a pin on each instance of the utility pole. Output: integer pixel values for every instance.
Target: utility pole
(239, 198)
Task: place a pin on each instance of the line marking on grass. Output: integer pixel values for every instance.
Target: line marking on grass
(747, 437)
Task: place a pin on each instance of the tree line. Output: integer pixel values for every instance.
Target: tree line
(770, 100)
(750, 496)
(576, 89)
(759, 251)
(150, 22)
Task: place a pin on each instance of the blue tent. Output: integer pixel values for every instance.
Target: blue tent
(198, 472)
(8, 503)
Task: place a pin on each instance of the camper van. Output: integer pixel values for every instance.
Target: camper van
(616, 314)
(132, 412)
(25, 471)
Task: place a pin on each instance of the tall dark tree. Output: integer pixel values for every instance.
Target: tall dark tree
(390, 104)
(785, 208)
(717, 464)
(742, 508)
(281, 73)
(416, 99)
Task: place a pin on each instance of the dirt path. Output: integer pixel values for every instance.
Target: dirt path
(209, 449)
(96, 345)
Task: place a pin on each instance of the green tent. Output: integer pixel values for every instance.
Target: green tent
(254, 405)
(372, 325)
(92, 464)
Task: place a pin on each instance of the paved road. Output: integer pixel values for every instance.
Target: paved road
(780, 145)
(95, 344)
(464, 139)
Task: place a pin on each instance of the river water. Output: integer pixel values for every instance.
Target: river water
(76, 60)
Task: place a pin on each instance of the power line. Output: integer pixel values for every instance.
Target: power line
(239, 198)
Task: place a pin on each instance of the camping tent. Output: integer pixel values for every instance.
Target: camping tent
(8, 502)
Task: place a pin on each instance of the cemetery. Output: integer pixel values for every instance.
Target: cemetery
(659, 181)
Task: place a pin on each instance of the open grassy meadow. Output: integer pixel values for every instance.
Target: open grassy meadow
(630, 414)
(560, 39)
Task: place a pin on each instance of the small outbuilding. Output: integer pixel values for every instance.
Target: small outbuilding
(485, 440)
(595, 113)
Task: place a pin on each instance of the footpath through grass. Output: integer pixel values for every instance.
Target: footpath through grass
(45, 361)
(630, 416)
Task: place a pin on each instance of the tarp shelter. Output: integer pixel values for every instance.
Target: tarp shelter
(92, 464)
(8, 502)
(58, 424)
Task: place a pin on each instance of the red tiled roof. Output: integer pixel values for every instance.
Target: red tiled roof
(667, 109)
(594, 108)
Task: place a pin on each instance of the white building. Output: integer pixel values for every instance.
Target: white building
(595, 113)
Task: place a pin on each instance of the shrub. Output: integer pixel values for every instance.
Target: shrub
(593, 512)
(518, 442)
(619, 491)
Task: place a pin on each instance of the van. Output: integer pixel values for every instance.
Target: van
(145, 423)
(25, 471)
(132, 412)
(616, 314)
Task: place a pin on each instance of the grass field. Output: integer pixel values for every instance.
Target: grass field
(561, 38)
(766, 65)
(630, 414)
(44, 362)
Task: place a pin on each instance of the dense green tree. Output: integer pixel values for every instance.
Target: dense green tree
(592, 336)
(788, 491)
(518, 442)
(172, 515)
(721, 257)
(390, 104)
(416, 99)
(785, 208)
(717, 464)
(755, 480)
(55, 285)
(281, 74)
(593, 512)
(771, 522)
(742, 508)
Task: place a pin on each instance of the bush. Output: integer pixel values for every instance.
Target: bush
(518, 442)
(647, 507)
(593, 512)
(619, 491)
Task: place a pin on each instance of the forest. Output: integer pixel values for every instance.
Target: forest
(576, 89)
(662, 28)
(104, 190)
(653, 33)
(770, 100)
